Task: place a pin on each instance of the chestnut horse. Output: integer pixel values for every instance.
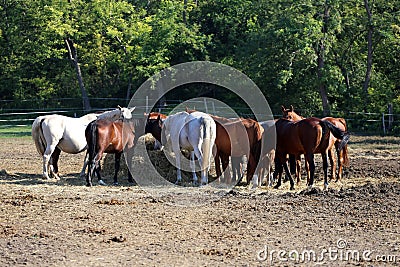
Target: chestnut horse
(231, 141)
(342, 155)
(106, 136)
(308, 136)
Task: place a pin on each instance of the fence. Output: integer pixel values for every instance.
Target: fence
(23, 113)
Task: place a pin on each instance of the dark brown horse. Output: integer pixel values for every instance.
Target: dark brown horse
(106, 136)
(342, 155)
(231, 141)
(154, 124)
(308, 136)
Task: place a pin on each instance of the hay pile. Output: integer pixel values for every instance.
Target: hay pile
(143, 170)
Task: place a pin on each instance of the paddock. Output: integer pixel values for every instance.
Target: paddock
(53, 223)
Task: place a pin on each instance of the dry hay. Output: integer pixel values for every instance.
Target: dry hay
(142, 168)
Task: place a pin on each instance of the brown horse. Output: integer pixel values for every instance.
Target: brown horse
(308, 136)
(342, 155)
(106, 136)
(231, 141)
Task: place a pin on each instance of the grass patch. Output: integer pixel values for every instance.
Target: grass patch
(15, 131)
(375, 142)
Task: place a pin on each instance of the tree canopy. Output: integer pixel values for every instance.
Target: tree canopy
(320, 56)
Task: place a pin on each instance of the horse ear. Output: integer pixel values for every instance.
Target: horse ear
(283, 108)
(187, 109)
(291, 108)
(119, 107)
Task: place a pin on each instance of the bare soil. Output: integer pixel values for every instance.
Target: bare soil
(53, 223)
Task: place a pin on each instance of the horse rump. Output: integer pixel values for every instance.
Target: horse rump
(337, 132)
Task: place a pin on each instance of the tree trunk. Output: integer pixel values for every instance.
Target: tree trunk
(322, 86)
(369, 56)
(73, 57)
(321, 64)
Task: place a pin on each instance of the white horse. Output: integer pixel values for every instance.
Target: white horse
(195, 132)
(55, 133)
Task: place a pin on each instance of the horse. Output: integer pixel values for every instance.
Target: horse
(231, 135)
(195, 132)
(308, 136)
(154, 126)
(108, 136)
(342, 155)
(267, 156)
(55, 133)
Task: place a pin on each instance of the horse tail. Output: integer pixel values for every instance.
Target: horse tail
(338, 133)
(37, 135)
(208, 141)
(345, 156)
(91, 136)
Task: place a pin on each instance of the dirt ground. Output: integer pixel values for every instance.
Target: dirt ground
(53, 223)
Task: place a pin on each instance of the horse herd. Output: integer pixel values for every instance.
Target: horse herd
(205, 136)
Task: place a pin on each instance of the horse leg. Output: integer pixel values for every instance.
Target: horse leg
(46, 160)
(298, 169)
(97, 167)
(311, 166)
(225, 168)
(129, 156)
(218, 165)
(285, 166)
(193, 167)
(340, 165)
(85, 164)
(54, 162)
(278, 172)
(325, 167)
(178, 167)
(117, 164)
(90, 173)
(251, 168)
(332, 160)
(306, 166)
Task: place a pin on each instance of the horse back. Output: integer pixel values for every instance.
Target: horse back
(299, 137)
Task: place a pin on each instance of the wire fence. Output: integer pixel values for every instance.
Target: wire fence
(23, 113)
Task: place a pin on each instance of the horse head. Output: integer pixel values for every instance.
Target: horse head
(289, 114)
(126, 113)
(154, 126)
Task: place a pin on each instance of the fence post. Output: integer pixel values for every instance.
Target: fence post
(205, 105)
(383, 124)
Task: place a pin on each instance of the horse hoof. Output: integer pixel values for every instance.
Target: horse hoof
(292, 187)
(325, 187)
(115, 184)
(178, 182)
(276, 186)
(101, 182)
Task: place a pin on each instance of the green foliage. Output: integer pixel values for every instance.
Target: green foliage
(277, 43)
